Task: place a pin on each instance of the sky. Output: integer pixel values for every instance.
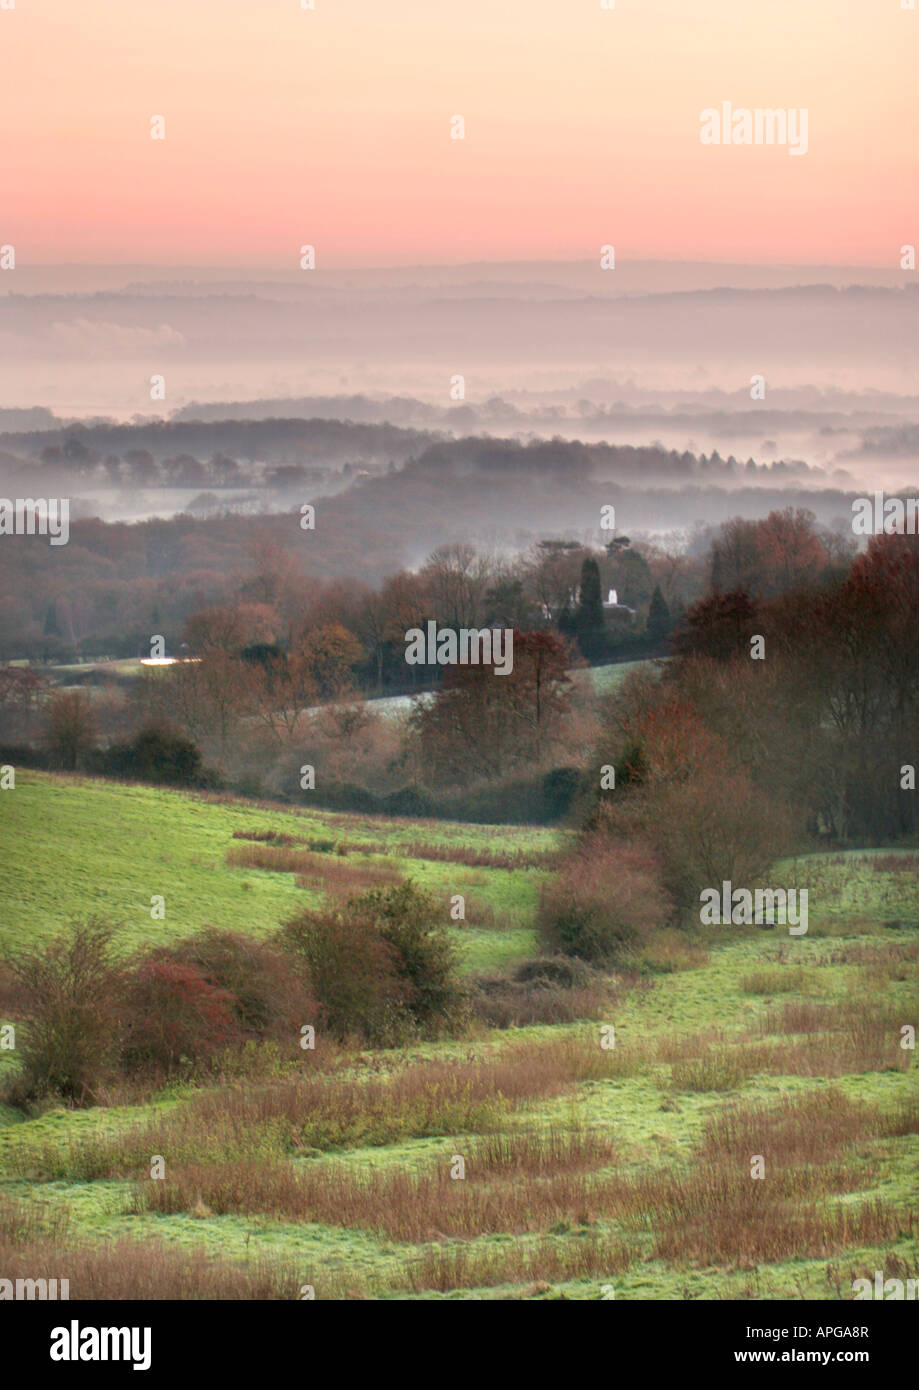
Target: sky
(331, 127)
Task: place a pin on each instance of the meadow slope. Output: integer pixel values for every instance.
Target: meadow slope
(587, 1167)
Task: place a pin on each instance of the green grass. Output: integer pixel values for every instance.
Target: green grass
(605, 679)
(70, 847)
(74, 847)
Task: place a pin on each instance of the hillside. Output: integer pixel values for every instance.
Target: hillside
(108, 847)
(636, 1157)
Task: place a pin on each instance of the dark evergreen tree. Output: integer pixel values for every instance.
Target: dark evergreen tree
(631, 577)
(52, 626)
(590, 624)
(659, 620)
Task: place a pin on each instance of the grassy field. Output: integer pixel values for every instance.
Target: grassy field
(586, 1166)
(73, 847)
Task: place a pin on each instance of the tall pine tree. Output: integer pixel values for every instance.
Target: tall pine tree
(589, 622)
(659, 620)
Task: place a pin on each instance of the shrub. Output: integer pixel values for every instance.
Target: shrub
(86, 1015)
(381, 964)
(560, 786)
(69, 994)
(502, 1003)
(714, 829)
(407, 801)
(531, 798)
(156, 754)
(346, 796)
(410, 921)
(23, 755)
(565, 972)
(606, 899)
(267, 999)
(176, 1016)
(351, 970)
(544, 989)
(512, 800)
(70, 728)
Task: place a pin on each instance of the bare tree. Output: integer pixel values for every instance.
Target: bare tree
(70, 728)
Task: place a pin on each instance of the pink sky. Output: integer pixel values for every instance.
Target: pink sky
(332, 127)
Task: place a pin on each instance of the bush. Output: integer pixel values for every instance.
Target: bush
(176, 1016)
(717, 827)
(267, 998)
(408, 801)
(544, 989)
(381, 965)
(532, 798)
(605, 901)
(156, 754)
(514, 800)
(351, 970)
(410, 921)
(565, 972)
(86, 1017)
(69, 994)
(70, 729)
(345, 796)
(560, 787)
(681, 788)
(23, 755)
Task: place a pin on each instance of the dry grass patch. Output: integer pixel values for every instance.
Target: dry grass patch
(249, 1120)
(33, 1248)
(785, 979)
(512, 1183)
(812, 1129)
(722, 1069)
(436, 852)
(813, 1146)
(313, 869)
(841, 1039)
(742, 1224)
(548, 1260)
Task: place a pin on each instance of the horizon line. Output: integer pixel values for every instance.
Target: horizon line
(456, 265)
